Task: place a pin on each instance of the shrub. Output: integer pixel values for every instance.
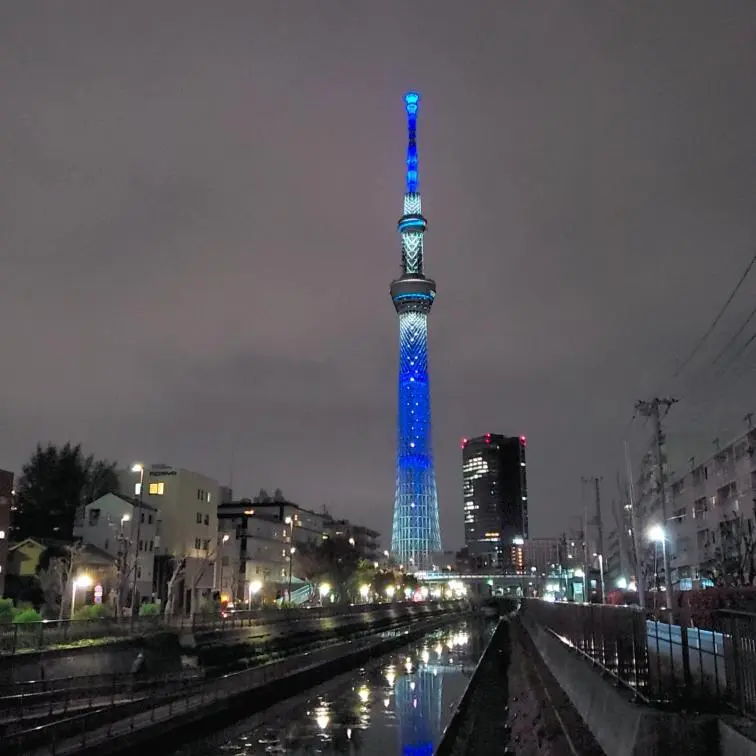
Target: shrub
(149, 610)
(27, 615)
(91, 612)
(6, 611)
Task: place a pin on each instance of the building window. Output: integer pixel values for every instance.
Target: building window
(208, 497)
(157, 489)
(94, 516)
(197, 543)
(149, 519)
(206, 544)
(199, 518)
(207, 519)
(139, 573)
(151, 545)
(141, 518)
(107, 543)
(141, 545)
(2, 534)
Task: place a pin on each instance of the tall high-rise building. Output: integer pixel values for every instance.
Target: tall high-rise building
(416, 533)
(495, 501)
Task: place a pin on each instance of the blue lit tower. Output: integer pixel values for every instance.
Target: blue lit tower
(416, 533)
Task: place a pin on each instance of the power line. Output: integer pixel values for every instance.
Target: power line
(734, 338)
(716, 320)
(743, 348)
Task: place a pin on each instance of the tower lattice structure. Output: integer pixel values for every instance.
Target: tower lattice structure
(416, 533)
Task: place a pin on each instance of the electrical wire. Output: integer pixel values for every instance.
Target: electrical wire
(716, 320)
(734, 338)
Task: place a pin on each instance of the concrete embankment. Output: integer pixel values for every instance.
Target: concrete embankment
(166, 652)
(621, 725)
(217, 703)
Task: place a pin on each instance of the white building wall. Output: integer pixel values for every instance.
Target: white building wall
(110, 523)
(718, 489)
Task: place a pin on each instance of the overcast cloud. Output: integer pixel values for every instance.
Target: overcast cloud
(197, 233)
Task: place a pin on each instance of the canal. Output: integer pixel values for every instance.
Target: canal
(398, 704)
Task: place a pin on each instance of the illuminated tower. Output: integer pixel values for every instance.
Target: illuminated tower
(416, 533)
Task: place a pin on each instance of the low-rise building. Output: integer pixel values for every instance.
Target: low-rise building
(125, 528)
(256, 540)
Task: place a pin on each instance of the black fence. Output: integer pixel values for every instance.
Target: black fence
(30, 636)
(738, 633)
(657, 661)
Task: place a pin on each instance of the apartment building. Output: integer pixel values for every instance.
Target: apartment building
(256, 537)
(364, 539)
(125, 529)
(712, 512)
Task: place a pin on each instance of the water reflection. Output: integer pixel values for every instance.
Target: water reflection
(404, 698)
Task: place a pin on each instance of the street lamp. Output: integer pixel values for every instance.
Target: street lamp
(80, 581)
(365, 591)
(254, 588)
(657, 534)
(137, 467)
(324, 589)
(291, 561)
(600, 558)
(223, 541)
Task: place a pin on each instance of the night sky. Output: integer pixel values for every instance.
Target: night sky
(197, 234)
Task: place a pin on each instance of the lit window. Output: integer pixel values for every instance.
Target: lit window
(2, 534)
(157, 489)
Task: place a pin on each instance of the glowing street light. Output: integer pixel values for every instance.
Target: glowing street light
(656, 533)
(365, 591)
(80, 581)
(324, 589)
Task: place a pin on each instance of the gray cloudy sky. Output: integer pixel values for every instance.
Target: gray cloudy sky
(197, 232)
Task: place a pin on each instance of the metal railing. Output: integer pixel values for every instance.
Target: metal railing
(117, 718)
(657, 661)
(33, 636)
(739, 641)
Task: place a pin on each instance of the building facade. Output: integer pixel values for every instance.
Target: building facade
(126, 530)
(545, 556)
(365, 540)
(711, 514)
(187, 527)
(416, 532)
(495, 501)
(6, 502)
(256, 540)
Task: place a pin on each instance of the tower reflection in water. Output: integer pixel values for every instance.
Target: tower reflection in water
(419, 689)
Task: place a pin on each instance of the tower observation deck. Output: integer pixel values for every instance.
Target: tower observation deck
(416, 533)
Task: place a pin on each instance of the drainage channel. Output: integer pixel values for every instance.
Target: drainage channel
(399, 703)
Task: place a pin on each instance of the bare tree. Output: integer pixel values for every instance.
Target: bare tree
(734, 562)
(179, 570)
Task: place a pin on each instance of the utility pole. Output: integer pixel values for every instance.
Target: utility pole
(652, 409)
(598, 521)
(586, 562)
(635, 520)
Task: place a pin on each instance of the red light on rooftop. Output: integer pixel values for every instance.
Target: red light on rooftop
(523, 440)
(463, 443)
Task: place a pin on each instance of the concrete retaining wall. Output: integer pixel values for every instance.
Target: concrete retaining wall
(737, 737)
(622, 727)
